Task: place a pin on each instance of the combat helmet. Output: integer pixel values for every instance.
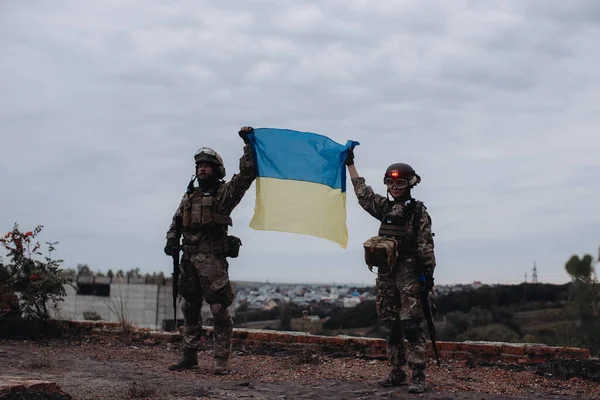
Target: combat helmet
(206, 154)
(399, 172)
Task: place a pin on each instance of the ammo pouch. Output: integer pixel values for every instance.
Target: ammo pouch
(381, 252)
(233, 246)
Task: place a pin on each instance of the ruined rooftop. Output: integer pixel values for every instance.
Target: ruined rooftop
(98, 360)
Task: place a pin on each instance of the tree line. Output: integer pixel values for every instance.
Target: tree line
(557, 315)
(85, 270)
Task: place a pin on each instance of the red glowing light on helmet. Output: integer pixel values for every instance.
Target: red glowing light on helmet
(395, 174)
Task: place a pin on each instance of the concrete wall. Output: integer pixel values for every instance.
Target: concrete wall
(136, 303)
(144, 305)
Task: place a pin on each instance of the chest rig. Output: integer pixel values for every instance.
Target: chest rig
(200, 212)
(201, 219)
(399, 227)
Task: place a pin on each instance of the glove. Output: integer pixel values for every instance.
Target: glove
(172, 247)
(350, 157)
(244, 131)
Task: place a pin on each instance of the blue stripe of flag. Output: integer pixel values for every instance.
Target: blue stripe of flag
(300, 156)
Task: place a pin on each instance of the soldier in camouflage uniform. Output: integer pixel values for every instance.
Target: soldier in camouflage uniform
(205, 214)
(397, 295)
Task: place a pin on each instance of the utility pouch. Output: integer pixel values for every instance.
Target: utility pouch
(233, 244)
(381, 252)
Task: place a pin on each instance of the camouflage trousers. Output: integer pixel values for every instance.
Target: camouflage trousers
(399, 306)
(205, 277)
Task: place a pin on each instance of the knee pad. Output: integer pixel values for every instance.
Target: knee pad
(394, 330)
(411, 330)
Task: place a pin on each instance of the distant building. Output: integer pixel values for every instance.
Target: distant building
(114, 300)
(350, 302)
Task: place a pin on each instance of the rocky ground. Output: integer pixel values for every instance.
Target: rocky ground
(122, 367)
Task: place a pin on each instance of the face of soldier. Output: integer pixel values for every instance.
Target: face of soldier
(204, 170)
(397, 192)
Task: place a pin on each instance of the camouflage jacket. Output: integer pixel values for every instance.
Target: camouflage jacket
(227, 196)
(379, 206)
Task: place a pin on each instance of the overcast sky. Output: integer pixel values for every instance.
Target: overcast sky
(495, 104)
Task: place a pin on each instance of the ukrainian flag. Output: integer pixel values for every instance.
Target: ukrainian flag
(300, 183)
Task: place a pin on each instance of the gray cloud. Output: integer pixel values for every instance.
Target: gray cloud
(102, 107)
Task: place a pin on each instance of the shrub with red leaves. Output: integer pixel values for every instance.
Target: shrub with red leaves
(39, 283)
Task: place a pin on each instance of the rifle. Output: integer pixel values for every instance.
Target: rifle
(178, 232)
(423, 289)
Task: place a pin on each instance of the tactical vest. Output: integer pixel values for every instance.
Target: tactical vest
(399, 227)
(200, 212)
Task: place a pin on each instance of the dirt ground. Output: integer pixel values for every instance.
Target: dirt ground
(122, 368)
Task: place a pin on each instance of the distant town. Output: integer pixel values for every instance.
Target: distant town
(263, 295)
(268, 295)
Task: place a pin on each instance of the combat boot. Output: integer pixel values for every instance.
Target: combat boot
(189, 360)
(220, 367)
(395, 378)
(417, 384)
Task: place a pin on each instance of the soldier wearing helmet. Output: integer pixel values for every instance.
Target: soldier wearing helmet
(397, 293)
(205, 215)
